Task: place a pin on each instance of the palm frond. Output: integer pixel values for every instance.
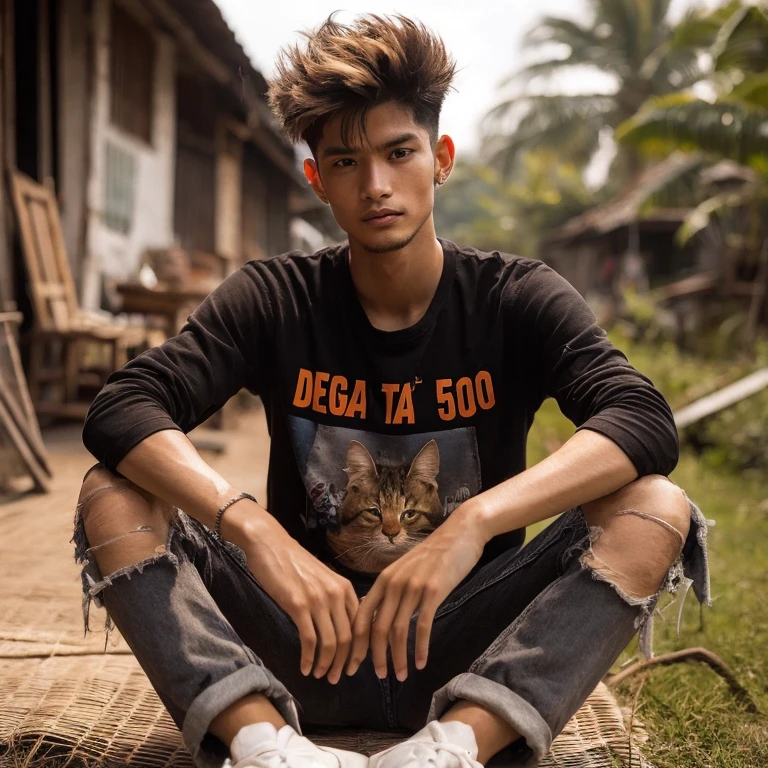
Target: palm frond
(743, 41)
(753, 89)
(568, 124)
(585, 48)
(555, 66)
(699, 28)
(552, 29)
(701, 216)
(731, 129)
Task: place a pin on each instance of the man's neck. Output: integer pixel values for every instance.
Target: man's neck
(396, 288)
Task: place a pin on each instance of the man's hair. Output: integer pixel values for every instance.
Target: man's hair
(345, 70)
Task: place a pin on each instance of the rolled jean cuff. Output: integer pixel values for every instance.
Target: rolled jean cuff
(501, 701)
(217, 697)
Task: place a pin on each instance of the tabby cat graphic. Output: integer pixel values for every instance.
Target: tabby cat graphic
(386, 509)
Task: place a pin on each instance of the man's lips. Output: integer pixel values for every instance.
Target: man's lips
(381, 217)
(383, 213)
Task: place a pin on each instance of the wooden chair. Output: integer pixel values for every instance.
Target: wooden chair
(69, 348)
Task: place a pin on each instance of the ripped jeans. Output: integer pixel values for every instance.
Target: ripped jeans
(527, 636)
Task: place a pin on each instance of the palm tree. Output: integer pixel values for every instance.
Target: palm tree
(629, 41)
(731, 125)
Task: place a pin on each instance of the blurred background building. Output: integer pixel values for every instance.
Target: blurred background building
(148, 122)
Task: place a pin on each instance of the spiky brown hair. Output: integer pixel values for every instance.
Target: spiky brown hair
(345, 70)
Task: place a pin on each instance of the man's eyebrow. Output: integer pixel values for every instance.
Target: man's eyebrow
(401, 139)
(341, 150)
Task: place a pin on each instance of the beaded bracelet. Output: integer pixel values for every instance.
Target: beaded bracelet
(225, 507)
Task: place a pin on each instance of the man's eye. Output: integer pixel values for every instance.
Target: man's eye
(399, 154)
(345, 162)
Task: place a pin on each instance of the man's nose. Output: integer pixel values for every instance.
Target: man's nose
(376, 183)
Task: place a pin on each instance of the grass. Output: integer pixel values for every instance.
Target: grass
(692, 717)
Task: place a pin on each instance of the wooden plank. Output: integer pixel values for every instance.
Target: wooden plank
(33, 451)
(44, 251)
(723, 398)
(39, 476)
(15, 421)
(27, 417)
(704, 282)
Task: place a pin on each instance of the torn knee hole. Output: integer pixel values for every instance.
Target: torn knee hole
(139, 529)
(634, 555)
(674, 532)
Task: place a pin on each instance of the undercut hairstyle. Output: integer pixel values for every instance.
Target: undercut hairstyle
(346, 70)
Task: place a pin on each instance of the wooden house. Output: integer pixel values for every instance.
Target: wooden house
(149, 122)
(715, 272)
(589, 249)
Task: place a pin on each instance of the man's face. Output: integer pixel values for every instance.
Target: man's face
(382, 191)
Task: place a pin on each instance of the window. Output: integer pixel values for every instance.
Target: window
(120, 183)
(131, 75)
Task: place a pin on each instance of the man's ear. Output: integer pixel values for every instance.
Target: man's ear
(313, 177)
(445, 154)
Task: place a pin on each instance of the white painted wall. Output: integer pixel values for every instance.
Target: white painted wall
(108, 252)
(73, 125)
(229, 185)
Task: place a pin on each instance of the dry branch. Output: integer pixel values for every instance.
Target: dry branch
(691, 654)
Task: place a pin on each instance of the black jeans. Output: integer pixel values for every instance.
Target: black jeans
(528, 636)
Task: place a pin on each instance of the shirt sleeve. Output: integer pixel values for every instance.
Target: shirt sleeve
(225, 345)
(572, 360)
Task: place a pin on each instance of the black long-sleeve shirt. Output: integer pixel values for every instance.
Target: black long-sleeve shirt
(501, 334)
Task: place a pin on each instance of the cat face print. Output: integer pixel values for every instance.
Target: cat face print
(386, 510)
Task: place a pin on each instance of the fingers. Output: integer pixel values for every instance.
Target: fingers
(343, 630)
(429, 606)
(326, 641)
(383, 621)
(361, 629)
(398, 633)
(308, 638)
(380, 630)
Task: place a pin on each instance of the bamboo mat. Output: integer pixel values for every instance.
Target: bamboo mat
(64, 703)
(80, 712)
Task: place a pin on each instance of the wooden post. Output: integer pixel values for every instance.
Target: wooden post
(7, 295)
(9, 86)
(44, 91)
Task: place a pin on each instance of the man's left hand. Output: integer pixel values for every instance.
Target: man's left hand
(418, 581)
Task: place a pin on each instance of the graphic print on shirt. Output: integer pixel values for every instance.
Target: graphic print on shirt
(376, 496)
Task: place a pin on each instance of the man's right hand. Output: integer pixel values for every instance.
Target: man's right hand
(321, 603)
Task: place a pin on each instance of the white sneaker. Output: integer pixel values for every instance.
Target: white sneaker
(437, 745)
(261, 745)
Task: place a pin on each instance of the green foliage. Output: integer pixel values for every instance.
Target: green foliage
(733, 129)
(742, 42)
(733, 126)
(693, 719)
(733, 440)
(479, 207)
(691, 715)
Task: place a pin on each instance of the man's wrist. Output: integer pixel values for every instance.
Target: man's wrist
(475, 513)
(246, 522)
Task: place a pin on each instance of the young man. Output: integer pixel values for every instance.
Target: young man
(386, 586)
